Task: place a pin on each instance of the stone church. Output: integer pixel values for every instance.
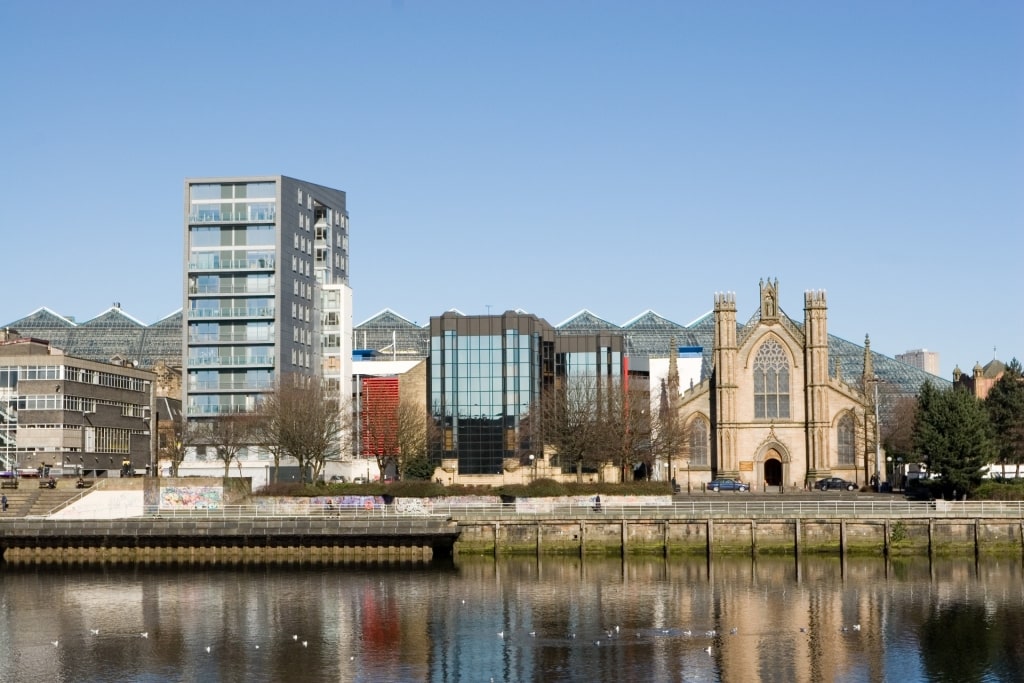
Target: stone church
(771, 413)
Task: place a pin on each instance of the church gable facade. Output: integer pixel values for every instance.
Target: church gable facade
(770, 414)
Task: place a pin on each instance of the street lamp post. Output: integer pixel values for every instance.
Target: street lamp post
(533, 465)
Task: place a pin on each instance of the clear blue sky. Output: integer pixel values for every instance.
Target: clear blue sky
(550, 156)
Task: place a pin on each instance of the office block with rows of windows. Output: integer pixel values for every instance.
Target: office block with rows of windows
(266, 291)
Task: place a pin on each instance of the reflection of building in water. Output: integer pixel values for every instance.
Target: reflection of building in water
(442, 623)
(664, 611)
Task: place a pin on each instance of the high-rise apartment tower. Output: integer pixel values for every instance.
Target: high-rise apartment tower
(266, 291)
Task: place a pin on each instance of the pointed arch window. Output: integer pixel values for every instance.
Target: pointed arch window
(699, 444)
(771, 382)
(844, 437)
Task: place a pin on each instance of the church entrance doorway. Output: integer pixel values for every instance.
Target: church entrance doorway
(773, 470)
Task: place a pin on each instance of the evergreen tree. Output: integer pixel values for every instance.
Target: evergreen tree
(1005, 404)
(953, 434)
(417, 467)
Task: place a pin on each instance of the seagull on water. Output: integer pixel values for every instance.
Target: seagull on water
(55, 643)
(856, 627)
(305, 643)
(207, 648)
(295, 636)
(708, 649)
(687, 632)
(501, 634)
(94, 631)
(144, 634)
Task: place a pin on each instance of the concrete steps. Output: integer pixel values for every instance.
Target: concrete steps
(47, 500)
(28, 499)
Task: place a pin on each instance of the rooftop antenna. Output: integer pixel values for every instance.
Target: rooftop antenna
(488, 308)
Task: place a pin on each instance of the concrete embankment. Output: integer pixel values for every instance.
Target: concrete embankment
(182, 537)
(190, 520)
(669, 535)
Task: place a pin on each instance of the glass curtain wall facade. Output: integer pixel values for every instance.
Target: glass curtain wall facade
(259, 251)
(486, 373)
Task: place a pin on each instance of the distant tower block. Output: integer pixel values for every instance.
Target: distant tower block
(923, 359)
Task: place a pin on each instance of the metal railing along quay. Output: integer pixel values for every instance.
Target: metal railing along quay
(752, 509)
(694, 509)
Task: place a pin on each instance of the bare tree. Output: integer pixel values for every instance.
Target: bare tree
(303, 420)
(624, 425)
(411, 425)
(274, 418)
(569, 424)
(227, 435)
(326, 433)
(669, 437)
(897, 426)
(175, 441)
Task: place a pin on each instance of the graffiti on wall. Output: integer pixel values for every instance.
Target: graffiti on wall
(574, 503)
(300, 505)
(191, 497)
(414, 506)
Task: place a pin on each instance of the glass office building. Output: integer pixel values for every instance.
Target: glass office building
(266, 275)
(488, 372)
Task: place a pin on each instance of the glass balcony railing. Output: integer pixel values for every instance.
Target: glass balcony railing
(232, 361)
(226, 385)
(231, 289)
(233, 264)
(217, 216)
(215, 410)
(228, 338)
(260, 312)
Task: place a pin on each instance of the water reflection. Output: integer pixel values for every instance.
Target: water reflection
(519, 619)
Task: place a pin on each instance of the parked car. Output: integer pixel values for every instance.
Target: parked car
(339, 479)
(728, 485)
(358, 480)
(835, 483)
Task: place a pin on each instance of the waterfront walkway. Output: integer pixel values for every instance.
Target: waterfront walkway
(765, 507)
(440, 527)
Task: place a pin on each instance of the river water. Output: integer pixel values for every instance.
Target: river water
(518, 619)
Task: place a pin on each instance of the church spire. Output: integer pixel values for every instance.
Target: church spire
(769, 300)
(673, 370)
